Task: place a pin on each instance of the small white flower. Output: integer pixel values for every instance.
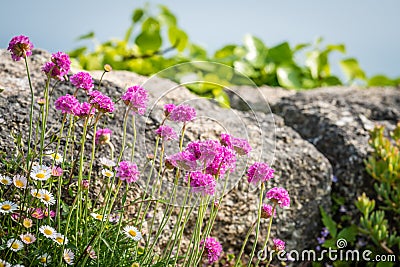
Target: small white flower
(47, 231)
(20, 181)
(57, 157)
(14, 244)
(28, 238)
(107, 173)
(40, 172)
(5, 180)
(60, 239)
(47, 197)
(3, 263)
(68, 256)
(27, 223)
(98, 216)
(18, 265)
(106, 162)
(44, 259)
(8, 207)
(132, 232)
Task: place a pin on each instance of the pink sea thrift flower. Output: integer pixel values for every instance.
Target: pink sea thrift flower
(56, 171)
(183, 160)
(224, 160)
(280, 196)
(102, 102)
(183, 113)
(266, 211)
(136, 98)
(103, 136)
(82, 80)
(37, 213)
(213, 249)
(68, 104)
(241, 146)
(279, 245)
(86, 110)
(20, 47)
(168, 109)
(259, 172)
(201, 183)
(128, 171)
(58, 67)
(167, 133)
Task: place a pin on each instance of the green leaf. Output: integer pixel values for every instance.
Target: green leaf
(280, 54)
(197, 52)
(330, 81)
(299, 47)
(89, 35)
(167, 17)
(338, 47)
(150, 25)
(352, 69)
(348, 233)
(381, 80)
(137, 15)
(245, 68)
(256, 51)
(177, 38)
(149, 41)
(328, 222)
(289, 77)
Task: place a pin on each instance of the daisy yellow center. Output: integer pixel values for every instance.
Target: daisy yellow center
(43, 260)
(15, 245)
(57, 156)
(99, 217)
(27, 224)
(2, 264)
(6, 207)
(132, 233)
(37, 195)
(27, 238)
(19, 183)
(108, 174)
(40, 175)
(59, 239)
(4, 181)
(46, 197)
(67, 258)
(48, 232)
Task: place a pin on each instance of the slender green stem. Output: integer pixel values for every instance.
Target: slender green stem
(269, 231)
(134, 137)
(30, 112)
(238, 262)
(121, 153)
(258, 224)
(44, 117)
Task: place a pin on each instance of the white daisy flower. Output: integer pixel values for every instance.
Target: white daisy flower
(57, 157)
(20, 181)
(40, 172)
(18, 265)
(14, 244)
(44, 259)
(60, 239)
(132, 232)
(5, 180)
(28, 238)
(98, 216)
(68, 256)
(47, 197)
(106, 162)
(3, 263)
(107, 173)
(36, 193)
(8, 207)
(47, 231)
(27, 223)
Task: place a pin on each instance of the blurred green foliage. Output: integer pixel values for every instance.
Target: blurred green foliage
(154, 41)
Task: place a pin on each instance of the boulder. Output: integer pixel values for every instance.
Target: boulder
(300, 168)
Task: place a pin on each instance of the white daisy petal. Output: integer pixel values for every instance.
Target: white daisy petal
(20, 181)
(5, 180)
(47, 231)
(132, 232)
(14, 244)
(8, 207)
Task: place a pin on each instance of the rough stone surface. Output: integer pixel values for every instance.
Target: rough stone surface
(300, 168)
(337, 121)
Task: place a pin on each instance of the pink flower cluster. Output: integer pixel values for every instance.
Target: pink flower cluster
(259, 172)
(82, 80)
(167, 133)
(58, 67)
(241, 146)
(279, 245)
(68, 104)
(86, 110)
(127, 171)
(136, 98)
(201, 183)
(280, 196)
(213, 249)
(39, 213)
(20, 47)
(103, 136)
(102, 102)
(266, 211)
(181, 113)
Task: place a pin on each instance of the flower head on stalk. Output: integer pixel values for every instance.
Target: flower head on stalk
(167, 133)
(182, 113)
(127, 171)
(168, 109)
(201, 183)
(20, 47)
(279, 245)
(86, 110)
(280, 196)
(136, 98)
(82, 80)
(266, 211)
(241, 146)
(68, 104)
(103, 136)
(101, 102)
(213, 249)
(259, 172)
(58, 67)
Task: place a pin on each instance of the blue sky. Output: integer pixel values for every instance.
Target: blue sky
(368, 28)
